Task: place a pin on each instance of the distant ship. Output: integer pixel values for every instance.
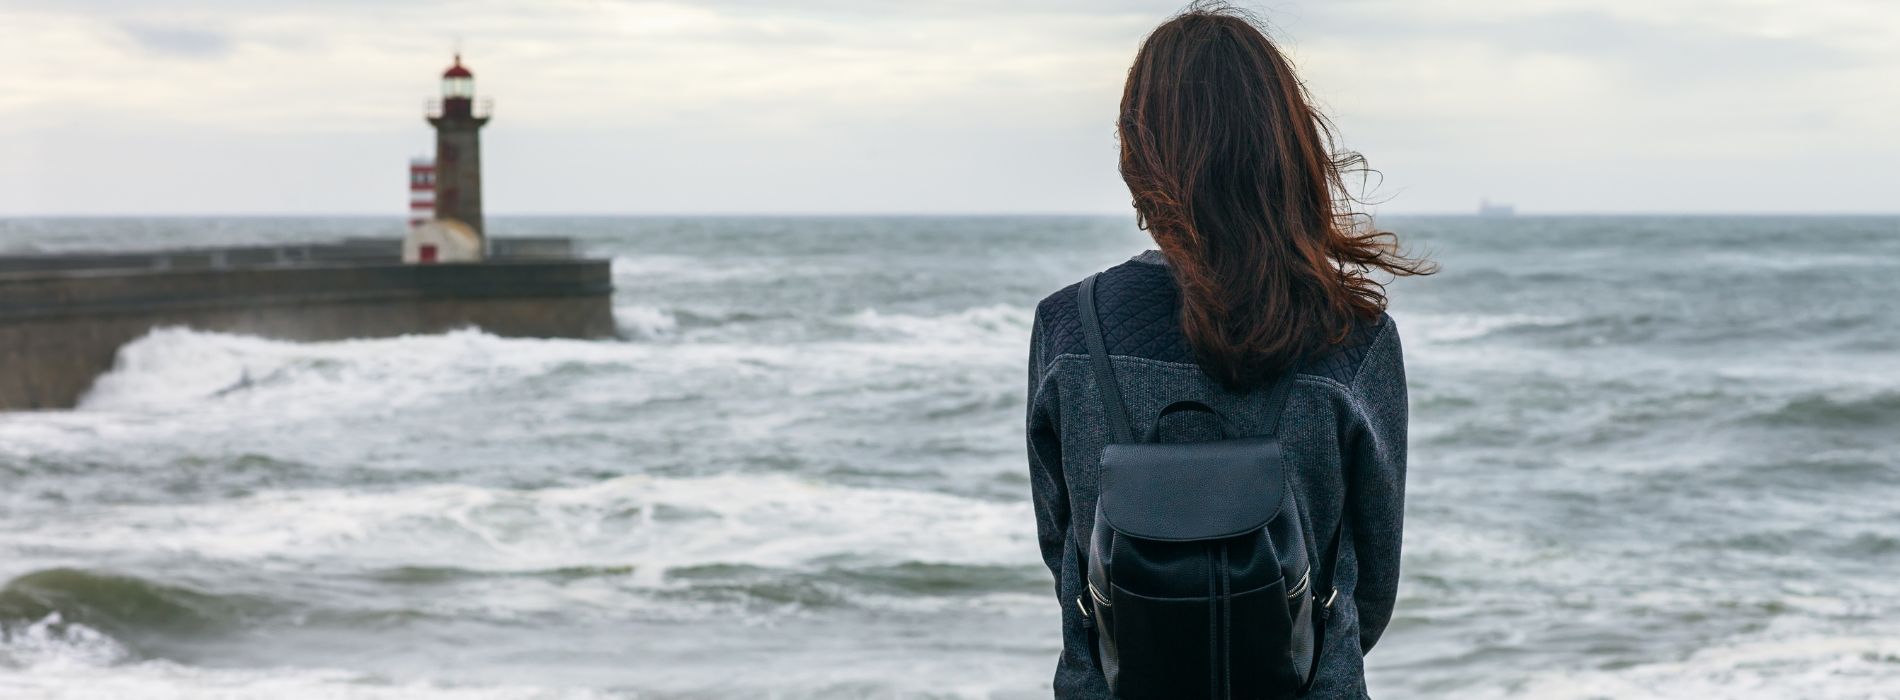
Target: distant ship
(1486, 208)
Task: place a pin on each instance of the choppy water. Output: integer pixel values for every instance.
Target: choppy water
(1651, 458)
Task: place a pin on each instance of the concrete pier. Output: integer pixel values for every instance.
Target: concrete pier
(62, 323)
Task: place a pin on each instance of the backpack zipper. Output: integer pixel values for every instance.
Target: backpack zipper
(1299, 589)
(1099, 598)
(1306, 581)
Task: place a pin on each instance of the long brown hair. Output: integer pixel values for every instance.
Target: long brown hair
(1236, 176)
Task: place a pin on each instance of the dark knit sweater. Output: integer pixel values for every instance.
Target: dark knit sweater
(1342, 431)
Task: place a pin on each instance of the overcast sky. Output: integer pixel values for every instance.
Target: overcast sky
(953, 106)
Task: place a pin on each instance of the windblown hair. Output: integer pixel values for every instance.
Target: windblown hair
(1236, 177)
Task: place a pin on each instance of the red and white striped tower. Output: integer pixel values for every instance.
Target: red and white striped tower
(421, 191)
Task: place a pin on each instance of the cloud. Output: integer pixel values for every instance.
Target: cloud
(177, 41)
(1645, 55)
(908, 105)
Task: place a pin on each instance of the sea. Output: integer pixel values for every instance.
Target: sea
(1651, 457)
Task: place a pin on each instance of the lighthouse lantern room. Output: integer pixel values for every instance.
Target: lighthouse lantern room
(458, 82)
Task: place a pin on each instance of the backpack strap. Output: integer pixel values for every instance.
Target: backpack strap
(1119, 430)
(1276, 401)
(1329, 567)
(1323, 617)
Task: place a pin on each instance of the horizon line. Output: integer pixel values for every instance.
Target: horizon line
(401, 216)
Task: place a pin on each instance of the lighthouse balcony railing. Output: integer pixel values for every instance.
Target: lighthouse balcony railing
(481, 109)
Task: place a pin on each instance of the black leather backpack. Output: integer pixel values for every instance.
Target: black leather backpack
(1199, 581)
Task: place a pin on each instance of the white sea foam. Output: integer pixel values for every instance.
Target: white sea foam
(162, 680)
(175, 381)
(51, 643)
(643, 269)
(176, 367)
(848, 677)
(976, 327)
(644, 322)
(1433, 328)
(652, 524)
(1797, 667)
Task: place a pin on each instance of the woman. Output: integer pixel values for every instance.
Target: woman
(1262, 274)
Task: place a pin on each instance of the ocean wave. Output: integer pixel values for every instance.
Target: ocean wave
(972, 326)
(175, 366)
(844, 585)
(652, 525)
(165, 680)
(644, 323)
(1794, 667)
(905, 578)
(643, 270)
(1672, 328)
(1001, 326)
(813, 677)
(1556, 331)
(1836, 410)
(127, 615)
(334, 406)
(1434, 328)
(694, 319)
(170, 367)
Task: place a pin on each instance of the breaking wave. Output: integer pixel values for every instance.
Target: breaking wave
(649, 525)
(65, 600)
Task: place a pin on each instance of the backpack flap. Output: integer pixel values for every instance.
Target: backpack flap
(1181, 492)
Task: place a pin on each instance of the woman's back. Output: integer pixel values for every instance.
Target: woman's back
(1342, 433)
(1264, 272)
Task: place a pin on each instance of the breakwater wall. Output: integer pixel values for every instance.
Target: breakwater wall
(61, 328)
(346, 251)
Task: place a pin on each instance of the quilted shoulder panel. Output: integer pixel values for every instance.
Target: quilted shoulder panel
(1140, 312)
(1341, 362)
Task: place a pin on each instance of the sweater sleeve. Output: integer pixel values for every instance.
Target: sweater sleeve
(1077, 674)
(1375, 449)
(1048, 491)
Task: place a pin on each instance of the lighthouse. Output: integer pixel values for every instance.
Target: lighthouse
(458, 149)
